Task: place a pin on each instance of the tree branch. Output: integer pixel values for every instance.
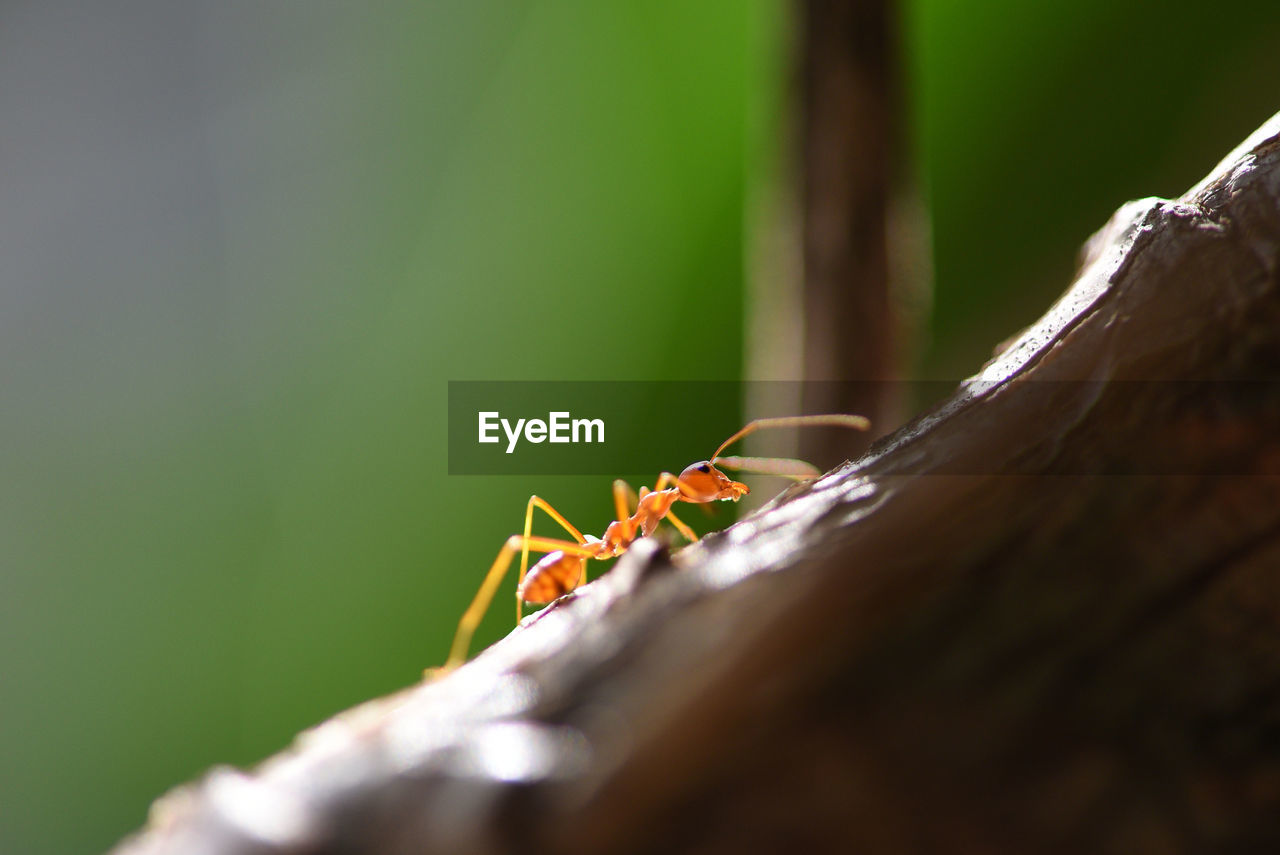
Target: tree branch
(849, 106)
(1043, 617)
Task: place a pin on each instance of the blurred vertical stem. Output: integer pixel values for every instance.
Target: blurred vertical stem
(848, 143)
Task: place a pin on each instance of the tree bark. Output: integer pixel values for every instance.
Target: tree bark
(1045, 617)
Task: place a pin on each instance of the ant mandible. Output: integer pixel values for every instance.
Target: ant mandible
(564, 566)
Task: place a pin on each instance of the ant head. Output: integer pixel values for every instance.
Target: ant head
(703, 482)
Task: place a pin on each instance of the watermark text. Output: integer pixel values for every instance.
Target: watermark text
(559, 427)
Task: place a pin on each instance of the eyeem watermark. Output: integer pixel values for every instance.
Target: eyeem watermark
(559, 427)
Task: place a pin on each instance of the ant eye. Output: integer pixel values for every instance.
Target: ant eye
(704, 468)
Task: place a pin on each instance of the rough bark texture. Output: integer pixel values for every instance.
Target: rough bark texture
(1043, 618)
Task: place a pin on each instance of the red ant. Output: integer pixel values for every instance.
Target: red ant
(564, 567)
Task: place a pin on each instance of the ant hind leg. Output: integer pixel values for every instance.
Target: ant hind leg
(484, 596)
(537, 502)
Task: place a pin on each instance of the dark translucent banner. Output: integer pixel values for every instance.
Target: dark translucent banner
(621, 429)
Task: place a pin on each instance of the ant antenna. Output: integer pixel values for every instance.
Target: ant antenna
(829, 420)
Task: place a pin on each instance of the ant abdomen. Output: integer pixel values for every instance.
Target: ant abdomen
(551, 578)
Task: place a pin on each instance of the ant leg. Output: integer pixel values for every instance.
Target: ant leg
(624, 499)
(480, 604)
(536, 502)
(687, 533)
(622, 488)
(829, 420)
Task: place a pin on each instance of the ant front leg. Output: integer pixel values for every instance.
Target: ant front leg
(621, 486)
(665, 479)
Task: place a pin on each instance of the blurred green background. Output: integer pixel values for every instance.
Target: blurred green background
(243, 246)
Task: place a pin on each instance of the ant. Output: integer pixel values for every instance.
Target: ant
(564, 566)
